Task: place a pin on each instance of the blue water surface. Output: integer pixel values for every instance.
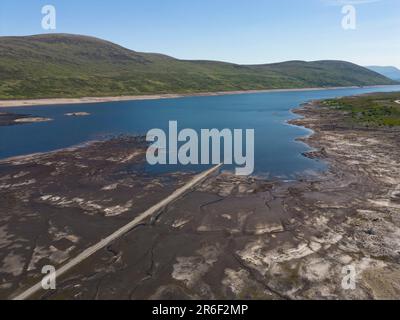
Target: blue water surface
(277, 153)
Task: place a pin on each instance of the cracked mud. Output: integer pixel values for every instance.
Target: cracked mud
(55, 205)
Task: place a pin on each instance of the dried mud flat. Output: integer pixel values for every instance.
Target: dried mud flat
(55, 205)
(231, 238)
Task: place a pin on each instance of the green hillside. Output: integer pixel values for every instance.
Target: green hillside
(61, 65)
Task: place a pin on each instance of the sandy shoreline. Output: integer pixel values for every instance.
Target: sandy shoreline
(91, 100)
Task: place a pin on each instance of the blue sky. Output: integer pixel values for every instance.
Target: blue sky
(240, 31)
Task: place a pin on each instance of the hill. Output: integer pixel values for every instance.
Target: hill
(389, 72)
(62, 65)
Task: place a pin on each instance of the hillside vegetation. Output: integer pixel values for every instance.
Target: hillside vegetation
(371, 110)
(61, 65)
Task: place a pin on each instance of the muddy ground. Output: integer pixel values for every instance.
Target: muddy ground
(231, 238)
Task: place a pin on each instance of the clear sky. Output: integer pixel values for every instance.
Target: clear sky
(240, 31)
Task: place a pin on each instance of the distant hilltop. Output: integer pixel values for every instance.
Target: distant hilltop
(73, 66)
(389, 72)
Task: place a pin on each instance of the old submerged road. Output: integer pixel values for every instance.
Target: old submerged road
(117, 234)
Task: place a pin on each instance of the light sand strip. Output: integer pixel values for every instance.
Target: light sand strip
(93, 100)
(105, 242)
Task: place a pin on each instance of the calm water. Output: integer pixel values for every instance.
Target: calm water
(276, 151)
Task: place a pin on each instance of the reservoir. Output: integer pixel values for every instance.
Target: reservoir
(277, 153)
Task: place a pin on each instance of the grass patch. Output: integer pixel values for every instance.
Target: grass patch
(373, 110)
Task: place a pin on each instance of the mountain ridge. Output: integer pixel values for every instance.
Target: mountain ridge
(71, 66)
(390, 72)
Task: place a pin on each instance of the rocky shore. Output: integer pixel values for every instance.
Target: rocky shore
(231, 238)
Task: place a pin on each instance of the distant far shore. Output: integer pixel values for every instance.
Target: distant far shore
(91, 100)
